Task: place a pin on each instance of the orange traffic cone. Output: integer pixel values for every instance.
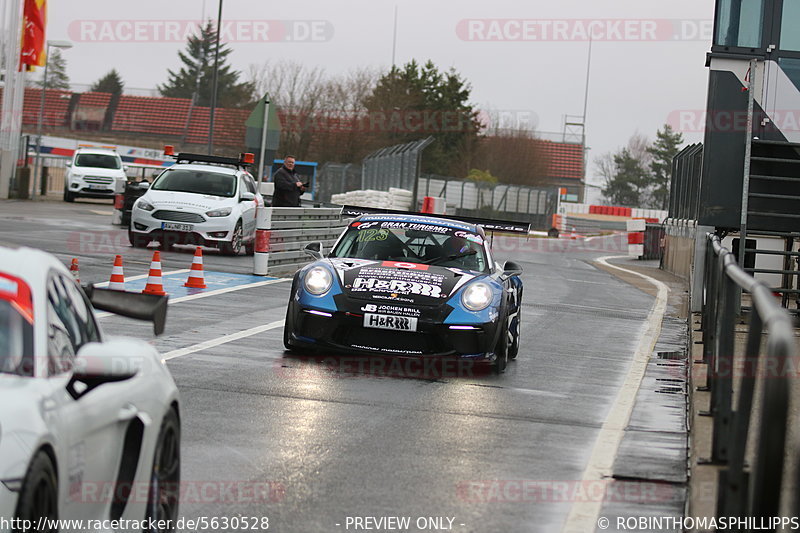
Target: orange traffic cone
(196, 278)
(73, 268)
(117, 282)
(154, 283)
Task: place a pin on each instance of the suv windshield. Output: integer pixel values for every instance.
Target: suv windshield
(415, 243)
(98, 161)
(196, 181)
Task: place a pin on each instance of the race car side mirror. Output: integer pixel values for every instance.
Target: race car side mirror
(144, 185)
(511, 269)
(135, 305)
(314, 249)
(69, 164)
(93, 367)
(247, 197)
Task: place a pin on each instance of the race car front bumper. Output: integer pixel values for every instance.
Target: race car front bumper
(344, 332)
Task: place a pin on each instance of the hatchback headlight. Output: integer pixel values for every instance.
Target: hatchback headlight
(318, 280)
(144, 205)
(225, 211)
(477, 296)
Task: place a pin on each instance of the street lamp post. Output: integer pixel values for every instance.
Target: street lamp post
(38, 166)
(215, 82)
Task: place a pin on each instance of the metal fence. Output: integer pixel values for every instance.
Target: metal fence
(687, 167)
(335, 178)
(395, 166)
(509, 202)
(754, 489)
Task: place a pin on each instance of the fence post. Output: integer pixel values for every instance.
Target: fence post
(724, 360)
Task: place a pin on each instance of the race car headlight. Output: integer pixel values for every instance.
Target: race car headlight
(225, 211)
(477, 296)
(318, 280)
(144, 205)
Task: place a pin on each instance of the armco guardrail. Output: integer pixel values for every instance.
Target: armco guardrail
(283, 232)
(743, 490)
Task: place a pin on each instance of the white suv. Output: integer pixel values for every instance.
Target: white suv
(202, 200)
(94, 173)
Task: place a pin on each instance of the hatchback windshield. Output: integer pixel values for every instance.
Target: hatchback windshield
(98, 161)
(414, 243)
(196, 181)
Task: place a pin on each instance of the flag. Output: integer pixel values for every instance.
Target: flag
(34, 23)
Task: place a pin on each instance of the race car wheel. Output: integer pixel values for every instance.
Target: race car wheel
(138, 241)
(39, 495)
(165, 477)
(68, 196)
(516, 328)
(235, 246)
(501, 351)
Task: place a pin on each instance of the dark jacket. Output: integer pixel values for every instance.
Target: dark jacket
(286, 194)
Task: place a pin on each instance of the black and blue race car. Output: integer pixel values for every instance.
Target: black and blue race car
(407, 285)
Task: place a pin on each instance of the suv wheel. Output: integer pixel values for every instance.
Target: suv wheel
(68, 196)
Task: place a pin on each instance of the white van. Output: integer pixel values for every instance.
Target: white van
(94, 173)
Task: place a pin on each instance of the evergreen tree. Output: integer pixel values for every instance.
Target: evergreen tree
(665, 148)
(628, 182)
(195, 79)
(417, 101)
(56, 71)
(110, 83)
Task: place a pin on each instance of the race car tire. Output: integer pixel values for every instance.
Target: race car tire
(138, 241)
(235, 246)
(39, 495)
(68, 196)
(513, 348)
(501, 350)
(165, 476)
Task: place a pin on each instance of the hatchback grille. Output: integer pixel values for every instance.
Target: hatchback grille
(177, 216)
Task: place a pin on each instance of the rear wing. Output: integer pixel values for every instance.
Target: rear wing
(488, 224)
(149, 307)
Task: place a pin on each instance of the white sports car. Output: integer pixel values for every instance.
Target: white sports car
(89, 424)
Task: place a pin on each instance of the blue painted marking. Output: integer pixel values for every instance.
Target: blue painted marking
(173, 283)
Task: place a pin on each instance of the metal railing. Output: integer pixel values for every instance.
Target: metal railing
(755, 489)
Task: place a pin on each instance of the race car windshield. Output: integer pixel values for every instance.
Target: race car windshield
(196, 181)
(16, 342)
(97, 161)
(430, 245)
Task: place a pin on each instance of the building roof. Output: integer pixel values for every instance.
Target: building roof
(565, 159)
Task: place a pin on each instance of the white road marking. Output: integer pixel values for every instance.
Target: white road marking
(142, 276)
(99, 212)
(202, 294)
(584, 514)
(222, 340)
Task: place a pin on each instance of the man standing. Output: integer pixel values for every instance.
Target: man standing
(288, 187)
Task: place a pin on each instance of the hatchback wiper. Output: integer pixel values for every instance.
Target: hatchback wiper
(449, 257)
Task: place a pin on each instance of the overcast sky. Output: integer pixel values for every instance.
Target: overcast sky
(526, 60)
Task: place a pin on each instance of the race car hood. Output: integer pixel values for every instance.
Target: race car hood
(188, 201)
(390, 281)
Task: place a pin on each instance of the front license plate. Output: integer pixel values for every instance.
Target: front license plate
(98, 187)
(176, 227)
(397, 323)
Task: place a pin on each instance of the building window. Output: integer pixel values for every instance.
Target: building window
(740, 23)
(790, 17)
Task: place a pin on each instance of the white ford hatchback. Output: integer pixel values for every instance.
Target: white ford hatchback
(201, 200)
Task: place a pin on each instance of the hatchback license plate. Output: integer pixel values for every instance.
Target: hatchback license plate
(397, 323)
(176, 227)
